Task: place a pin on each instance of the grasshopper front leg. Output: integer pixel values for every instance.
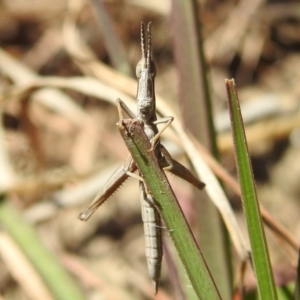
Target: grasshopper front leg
(168, 121)
(121, 106)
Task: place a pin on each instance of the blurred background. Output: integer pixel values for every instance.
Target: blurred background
(63, 64)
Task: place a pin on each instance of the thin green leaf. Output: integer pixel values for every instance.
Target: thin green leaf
(114, 46)
(286, 292)
(59, 283)
(193, 87)
(260, 254)
(297, 285)
(196, 110)
(157, 182)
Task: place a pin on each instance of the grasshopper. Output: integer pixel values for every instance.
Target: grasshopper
(146, 112)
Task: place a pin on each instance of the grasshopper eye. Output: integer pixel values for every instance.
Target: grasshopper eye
(138, 70)
(141, 65)
(153, 68)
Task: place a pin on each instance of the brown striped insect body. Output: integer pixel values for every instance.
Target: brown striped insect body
(146, 112)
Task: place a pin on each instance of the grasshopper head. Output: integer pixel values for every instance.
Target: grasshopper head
(146, 63)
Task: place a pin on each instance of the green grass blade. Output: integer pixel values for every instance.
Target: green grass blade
(157, 182)
(196, 110)
(297, 284)
(113, 45)
(194, 95)
(286, 292)
(58, 281)
(260, 254)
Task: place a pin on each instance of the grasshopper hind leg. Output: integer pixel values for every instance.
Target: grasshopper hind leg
(176, 168)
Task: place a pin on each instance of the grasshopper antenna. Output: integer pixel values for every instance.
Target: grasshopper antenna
(149, 45)
(143, 43)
